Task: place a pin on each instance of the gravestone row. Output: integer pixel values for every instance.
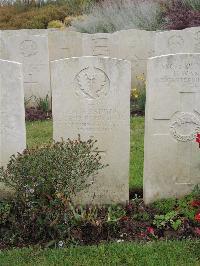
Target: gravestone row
(91, 97)
(35, 48)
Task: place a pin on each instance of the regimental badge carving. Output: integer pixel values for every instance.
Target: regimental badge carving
(175, 42)
(28, 48)
(184, 126)
(92, 83)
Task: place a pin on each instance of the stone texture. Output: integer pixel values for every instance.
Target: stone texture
(64, 44)
(172, 157)
(91, 97)
(136, 46)
(32, 52)
(12, 115)
(178, 41)
(100, 44)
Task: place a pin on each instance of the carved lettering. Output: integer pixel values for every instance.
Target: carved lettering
(100, 46)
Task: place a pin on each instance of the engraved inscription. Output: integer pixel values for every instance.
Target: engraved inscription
(175, 42)
(184, 126)
(28, 48)
(185, 72)
(92, 83)
(100, 46)
(96, 120)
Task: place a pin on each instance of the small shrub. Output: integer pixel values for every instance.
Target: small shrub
(43, 104)
(169, 219)
(164, 206)
(192, 4)
(179, 16)
(55, 24)
(40, 174)
(112, 15)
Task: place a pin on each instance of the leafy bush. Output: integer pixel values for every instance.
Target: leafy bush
(63, 168)
(43, 104)
(55, 24)
(44, 181)
(192, 4)
(180, 15)
(112, 15)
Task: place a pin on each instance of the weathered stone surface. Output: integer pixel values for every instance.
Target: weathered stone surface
(172, 158)
(91, 97)
(100, 44)
(64, 44)
(32, 52)
(12, 115)
(136, 46)
(178, 41)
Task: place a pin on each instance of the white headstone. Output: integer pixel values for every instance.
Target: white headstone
(12, 115)
(172, 158)
(136, 46)
(178, 41)
(100, 44)
(91, 97)
(64, 44)
(32, 52)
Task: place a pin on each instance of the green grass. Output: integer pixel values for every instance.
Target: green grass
(41, 132)
(156, 253)
(38, 133)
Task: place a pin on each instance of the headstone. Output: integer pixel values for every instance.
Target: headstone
(136, 46)
(99, 44)
(12, 115)
(172, 158)
(178, 41)
(32, 52)
(91, 97)
(64, 44)
(3, 53)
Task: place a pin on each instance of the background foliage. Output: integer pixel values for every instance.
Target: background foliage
(100, 15)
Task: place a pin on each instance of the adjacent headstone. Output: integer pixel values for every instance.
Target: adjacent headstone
(136, 46)
(12, 115)
(64, 44)
(178, 41)
(91, 97)
(100, 44)
(32, 52)
(172, 158)
(3, 53)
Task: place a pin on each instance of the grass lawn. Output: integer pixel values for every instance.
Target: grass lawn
(156, 253)
(41, 132)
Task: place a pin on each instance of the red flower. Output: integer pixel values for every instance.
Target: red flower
(197, 217)
(195, 203)
(150, 230)
(198, 139)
